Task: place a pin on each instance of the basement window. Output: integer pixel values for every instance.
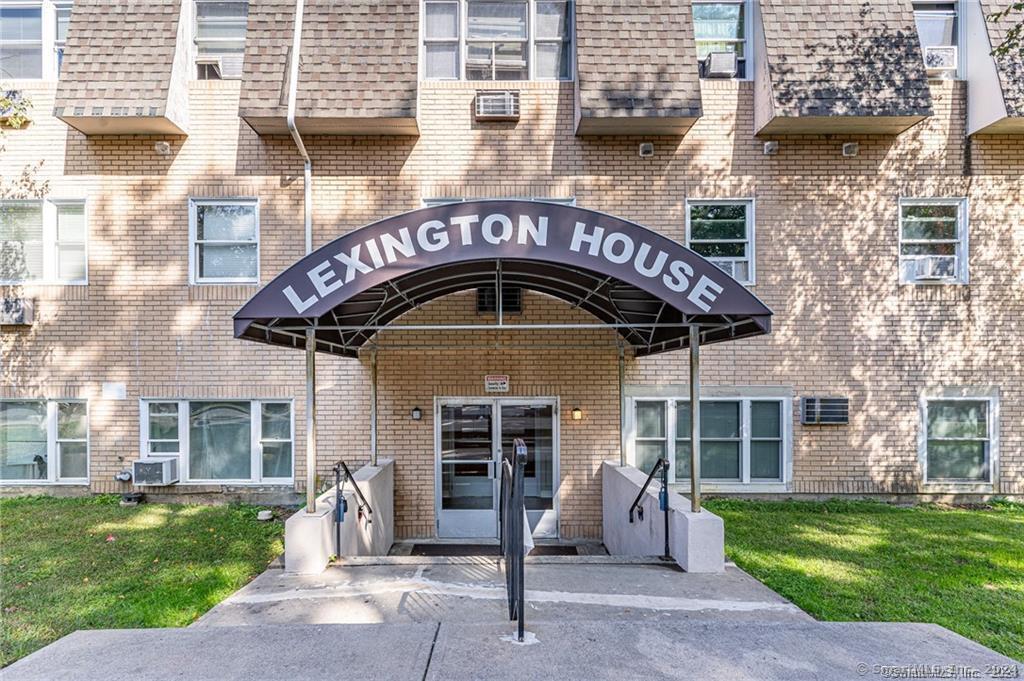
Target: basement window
(743, 440)
(237, 441)
(44, 442)
(959, 439)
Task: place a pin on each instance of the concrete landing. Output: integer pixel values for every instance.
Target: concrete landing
(447, 651)
(472, 590)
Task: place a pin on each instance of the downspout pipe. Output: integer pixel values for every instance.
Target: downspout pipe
(307, 164)
(307, 216)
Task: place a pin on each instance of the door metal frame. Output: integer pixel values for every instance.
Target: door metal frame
(495, 404)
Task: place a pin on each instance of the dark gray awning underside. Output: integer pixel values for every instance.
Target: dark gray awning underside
(645, 322)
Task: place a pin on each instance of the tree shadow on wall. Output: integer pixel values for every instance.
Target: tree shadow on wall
(876, 71)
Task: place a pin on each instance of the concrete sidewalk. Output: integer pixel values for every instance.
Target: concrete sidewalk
(449, 651)
(426, 618)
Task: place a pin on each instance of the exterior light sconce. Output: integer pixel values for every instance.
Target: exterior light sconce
(417, 414)
(577, 414)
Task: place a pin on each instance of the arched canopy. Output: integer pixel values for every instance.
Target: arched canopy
(647, 287)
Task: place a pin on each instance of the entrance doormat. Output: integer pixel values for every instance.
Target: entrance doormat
(488, 550)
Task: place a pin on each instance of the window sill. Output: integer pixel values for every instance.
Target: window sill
(683, 487)
(959, 487)
(233, 483)
(42, 483)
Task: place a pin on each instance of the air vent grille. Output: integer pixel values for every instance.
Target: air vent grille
(497, 105)
(825, 411)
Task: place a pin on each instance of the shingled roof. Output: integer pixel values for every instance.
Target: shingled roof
(832, 61)
(124, 68)
(1010, 66)
(637, 67)
(358, 72)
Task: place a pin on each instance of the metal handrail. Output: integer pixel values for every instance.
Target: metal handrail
(512, 516)
(341, 506)
(659, 465)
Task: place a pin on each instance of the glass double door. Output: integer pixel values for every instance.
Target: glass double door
(471, 436)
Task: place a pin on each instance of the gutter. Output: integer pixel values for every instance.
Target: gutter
(307, 170)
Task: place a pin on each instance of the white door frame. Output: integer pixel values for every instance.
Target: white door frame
(545, 523)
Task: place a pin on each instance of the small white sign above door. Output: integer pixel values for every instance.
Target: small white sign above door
(496, 383)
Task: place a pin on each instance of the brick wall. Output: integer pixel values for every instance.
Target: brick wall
(826, 263)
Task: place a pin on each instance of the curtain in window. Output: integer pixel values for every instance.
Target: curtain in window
(23, 440)
(21, 240)
(21, 42)
(220, 444)
(227, 241)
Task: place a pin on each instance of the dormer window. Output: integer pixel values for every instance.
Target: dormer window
(497, 40)
(720, 31)
(938, 28)
(220, 39)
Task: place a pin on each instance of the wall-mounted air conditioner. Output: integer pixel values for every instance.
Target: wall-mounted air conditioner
(940, 61)
(934, 268)
(720, 65)
(17, 312)
(824, 411)
(497, 105)
(155, 471)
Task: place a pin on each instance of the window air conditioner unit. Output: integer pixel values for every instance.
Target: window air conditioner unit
(727, 266)
(17, 312)
(720, 65)
(208, 68)
(934, 267)
(154, 471)
(824, 411)
(497, 105)
(940, 60)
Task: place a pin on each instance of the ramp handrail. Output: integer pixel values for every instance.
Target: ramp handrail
(512, 518)
(341, 475)
(659, 465)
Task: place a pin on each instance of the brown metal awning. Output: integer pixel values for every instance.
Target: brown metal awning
(634, 280)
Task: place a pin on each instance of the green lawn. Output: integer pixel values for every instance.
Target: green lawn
(87, 563)
(849, 561)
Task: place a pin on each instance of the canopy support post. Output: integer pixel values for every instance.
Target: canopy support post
(695, 418)
(311, 420)
(373, 407)
(622, 405)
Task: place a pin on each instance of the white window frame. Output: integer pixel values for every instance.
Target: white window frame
(750, 241)
(59, 45)
(194, 244)
(197, 57)
(989, 395)
(463, 50)
(958, 12)
(48, 35)
(962, 242)
(745, 483)
(51, 245)
(53, 476)
(255, 437)
(748, 43)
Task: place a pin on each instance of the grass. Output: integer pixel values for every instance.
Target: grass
(87, 563)
(962, 568)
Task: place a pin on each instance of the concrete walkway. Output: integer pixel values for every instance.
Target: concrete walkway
(423, 618)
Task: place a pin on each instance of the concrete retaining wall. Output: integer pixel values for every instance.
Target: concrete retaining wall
(309, 537)
(696, 540)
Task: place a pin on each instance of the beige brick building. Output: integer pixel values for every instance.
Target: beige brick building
(876, 206)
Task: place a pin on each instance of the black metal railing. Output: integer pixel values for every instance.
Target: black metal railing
(637, 507)
(512, 531)
(341, 475)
